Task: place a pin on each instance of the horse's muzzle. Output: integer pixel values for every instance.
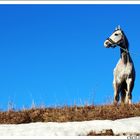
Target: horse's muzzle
(107, 44)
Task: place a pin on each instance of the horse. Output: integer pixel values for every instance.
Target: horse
(124, 72)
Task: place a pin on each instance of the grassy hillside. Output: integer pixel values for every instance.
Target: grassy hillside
(64, 114)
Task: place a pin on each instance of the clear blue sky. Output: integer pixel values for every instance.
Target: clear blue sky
(54, 54)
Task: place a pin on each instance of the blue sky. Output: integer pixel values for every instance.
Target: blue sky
(54, 54)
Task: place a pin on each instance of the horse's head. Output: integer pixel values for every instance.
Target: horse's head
(115, 39)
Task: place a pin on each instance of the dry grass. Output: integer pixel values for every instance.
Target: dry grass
(75, 113)
(109, 132)
(106, 132)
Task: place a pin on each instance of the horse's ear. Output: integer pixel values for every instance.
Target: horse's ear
(118, 27)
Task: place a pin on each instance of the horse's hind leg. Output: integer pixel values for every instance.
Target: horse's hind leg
(130, 84)
(123, 92)
(123, 96)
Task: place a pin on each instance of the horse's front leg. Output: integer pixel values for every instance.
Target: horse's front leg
(116, 92)
(130, 83)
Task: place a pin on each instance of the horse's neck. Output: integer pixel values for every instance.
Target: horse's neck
(125, 56)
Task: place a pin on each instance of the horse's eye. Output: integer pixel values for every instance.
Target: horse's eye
(116, 34)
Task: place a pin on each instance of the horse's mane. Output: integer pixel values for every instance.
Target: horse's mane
(126, 40)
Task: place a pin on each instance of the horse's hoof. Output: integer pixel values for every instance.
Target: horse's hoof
(130, 102)
(115, 103)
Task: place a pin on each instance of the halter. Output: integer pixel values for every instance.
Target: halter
(116, 43)
(124, 49)
(109, 39)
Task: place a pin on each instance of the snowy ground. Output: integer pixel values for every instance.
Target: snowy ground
(128, 126)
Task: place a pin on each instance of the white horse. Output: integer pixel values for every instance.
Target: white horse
(124, 72)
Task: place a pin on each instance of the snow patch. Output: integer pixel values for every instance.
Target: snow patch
(120, 126)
